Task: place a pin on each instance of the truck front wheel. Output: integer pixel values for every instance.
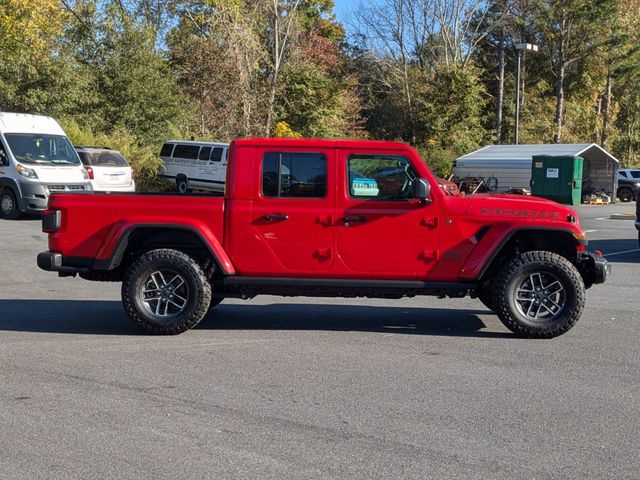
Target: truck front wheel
(539, 295)
(166, 292)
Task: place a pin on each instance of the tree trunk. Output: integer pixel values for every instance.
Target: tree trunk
(500, 103)
(559, 102)
(607, 111)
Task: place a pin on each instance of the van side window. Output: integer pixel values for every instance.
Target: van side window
(167, 150)
(294, 175)
(190, 152)
(216, 154)
(204, 153)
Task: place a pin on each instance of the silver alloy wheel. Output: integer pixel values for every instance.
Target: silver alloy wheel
(165, 294)
(7, 204)
(540, 296)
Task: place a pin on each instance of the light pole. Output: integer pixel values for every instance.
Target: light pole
(519, 49)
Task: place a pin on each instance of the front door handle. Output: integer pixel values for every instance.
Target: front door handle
(278, 217)
(355, 219)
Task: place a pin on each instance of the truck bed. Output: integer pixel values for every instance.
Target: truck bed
(92, 225)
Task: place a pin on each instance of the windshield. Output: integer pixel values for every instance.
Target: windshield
(38, 149)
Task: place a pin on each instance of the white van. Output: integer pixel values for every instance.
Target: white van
(36, 159)
(195, 165)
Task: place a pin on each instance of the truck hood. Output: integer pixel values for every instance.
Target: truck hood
(511, 206)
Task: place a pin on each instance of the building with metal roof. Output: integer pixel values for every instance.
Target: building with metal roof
(509, 166)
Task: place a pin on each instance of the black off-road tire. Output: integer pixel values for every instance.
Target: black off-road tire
(485, 295)
(194, 277)
(9, 205)
(523, 265)
(625, 194)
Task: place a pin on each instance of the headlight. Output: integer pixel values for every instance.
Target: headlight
(26, 171)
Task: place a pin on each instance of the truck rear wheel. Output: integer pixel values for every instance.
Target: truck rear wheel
(166, 292)
(539, 295)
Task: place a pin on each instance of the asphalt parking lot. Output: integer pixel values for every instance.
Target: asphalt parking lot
(315, 389)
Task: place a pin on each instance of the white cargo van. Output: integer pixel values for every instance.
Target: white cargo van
(36, 159)
(195, 165)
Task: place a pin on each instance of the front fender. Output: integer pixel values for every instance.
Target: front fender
(495, 239)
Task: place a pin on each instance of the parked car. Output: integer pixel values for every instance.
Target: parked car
(524, 258)
(195, 165)
(108, 170)
(36, 160)
(628, 184)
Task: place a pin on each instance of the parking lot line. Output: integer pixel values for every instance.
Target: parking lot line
(622, 253)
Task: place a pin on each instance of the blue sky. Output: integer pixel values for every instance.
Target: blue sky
(343, 7)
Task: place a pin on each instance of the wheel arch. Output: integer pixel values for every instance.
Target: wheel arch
(11, 184)
(186, 238)
(560, 241)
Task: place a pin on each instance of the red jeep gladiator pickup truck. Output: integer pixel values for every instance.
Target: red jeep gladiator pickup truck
(326, 218)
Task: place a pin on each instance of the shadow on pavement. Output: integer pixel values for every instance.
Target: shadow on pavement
(109, 318)
(362, 318)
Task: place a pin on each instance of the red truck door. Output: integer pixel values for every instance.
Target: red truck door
(380, 226)
(291, 217)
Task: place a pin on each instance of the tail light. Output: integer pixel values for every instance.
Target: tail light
(89, 172)
(51, 221)
(133, 174)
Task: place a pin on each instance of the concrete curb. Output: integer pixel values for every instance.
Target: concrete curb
(623, 216)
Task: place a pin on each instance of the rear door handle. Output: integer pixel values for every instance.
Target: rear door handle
(355, 219)
(276, 217)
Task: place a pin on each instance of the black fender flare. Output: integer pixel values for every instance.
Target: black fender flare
(117, 256)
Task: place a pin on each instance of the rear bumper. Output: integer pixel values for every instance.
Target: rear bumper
(594, 268)
(54, 262)
(131, 188)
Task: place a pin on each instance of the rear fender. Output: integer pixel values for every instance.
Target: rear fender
(114, 247)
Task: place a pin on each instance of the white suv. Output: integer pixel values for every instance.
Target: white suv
(108, 170)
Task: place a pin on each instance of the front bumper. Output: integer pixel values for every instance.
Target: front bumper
(595, 269)
(33, 196)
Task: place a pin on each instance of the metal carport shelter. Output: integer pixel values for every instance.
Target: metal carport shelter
(510, 165)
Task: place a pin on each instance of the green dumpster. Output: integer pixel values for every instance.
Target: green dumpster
(557, 178)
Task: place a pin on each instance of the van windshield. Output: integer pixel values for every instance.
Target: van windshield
(38, 149)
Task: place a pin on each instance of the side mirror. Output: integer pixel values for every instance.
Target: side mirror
(423, 190)
(4, 160)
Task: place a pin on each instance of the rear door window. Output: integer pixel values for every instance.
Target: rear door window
(294, 175)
